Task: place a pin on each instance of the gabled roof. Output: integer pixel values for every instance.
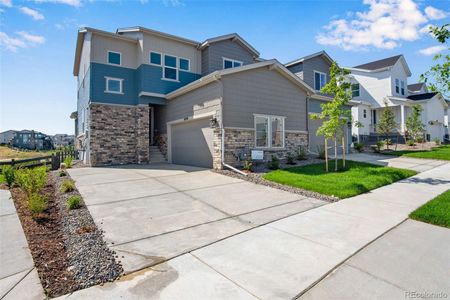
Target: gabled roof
(302, 59)
(379, 64)
(231, 36)
(157, 33)
(383, 64)
(415, 86)
(424, 96)
(216, 75)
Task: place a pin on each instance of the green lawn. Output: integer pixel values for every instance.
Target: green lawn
(356, 179)
(436, 211)
(442, 152)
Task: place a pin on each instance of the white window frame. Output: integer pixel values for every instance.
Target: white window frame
(163, 65)
(150, 60)
(365, 113)
(113, 92)
(189, 64)
(402, 87)
(269, 130)
(232, 60)
(359, 89)
(397, 85)
(107, 58)
(321, 73)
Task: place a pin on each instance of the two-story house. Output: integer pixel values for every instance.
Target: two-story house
(385, 83)
(199, 103)
(314, 70)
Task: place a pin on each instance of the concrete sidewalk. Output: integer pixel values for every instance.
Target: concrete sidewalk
(283, 259)
(18, 277)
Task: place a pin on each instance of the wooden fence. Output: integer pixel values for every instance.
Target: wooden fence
(54, 160)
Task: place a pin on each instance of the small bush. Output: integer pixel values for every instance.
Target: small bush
(67, 186)
(62, 173)
(410, 143)
(9, 174)
(379, 146)
(73, 202)
(437, 141)
(31, 180)
(274, 163)
(420, 140)
(359, 147)
(301, 153)
(248, 165)
(68, 161)
(37, 203)
(290, 159)
(321, 152)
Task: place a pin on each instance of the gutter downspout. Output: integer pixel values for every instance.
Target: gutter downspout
(222, 130)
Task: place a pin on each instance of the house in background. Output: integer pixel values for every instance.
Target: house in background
(63, 140)
(7, 136)
(32, 140)
(143, 93)
(385, 82)
(314, 70)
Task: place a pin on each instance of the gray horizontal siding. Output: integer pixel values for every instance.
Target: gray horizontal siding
(296, 68)
(199, 101)
(262, 91)
(212, 56)
(317, 63)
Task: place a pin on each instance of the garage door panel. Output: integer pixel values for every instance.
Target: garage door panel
(192, 143)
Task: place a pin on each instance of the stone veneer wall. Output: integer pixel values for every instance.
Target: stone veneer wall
(240, 142)
(119, 134)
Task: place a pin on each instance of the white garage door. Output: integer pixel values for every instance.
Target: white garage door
(192, 143)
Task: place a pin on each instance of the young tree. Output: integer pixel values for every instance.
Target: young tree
(414, 123)
(438, 77)
(387, 123)
(334, 114)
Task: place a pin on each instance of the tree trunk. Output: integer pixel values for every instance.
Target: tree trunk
(343, 152)
(326, 155)
(335, 154)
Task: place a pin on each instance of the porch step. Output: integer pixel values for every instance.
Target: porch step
(156, 156)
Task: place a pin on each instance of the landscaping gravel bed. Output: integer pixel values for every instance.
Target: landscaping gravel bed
(259, 170)
(90, 259)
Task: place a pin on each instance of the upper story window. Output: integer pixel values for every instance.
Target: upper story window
(397, 86)
(231, 63)
(355, 90)
(155, 58)
(402, 87)
(320, 80)
(170, 67)
(365, 113)
(184, 64)
(114, 58)
(114, 85)
(269, 131)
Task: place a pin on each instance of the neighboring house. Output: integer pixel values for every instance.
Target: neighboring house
(63, 140)
(201, 103)
(32, 140)
(384, 82)
(7, 136)
(314, 70)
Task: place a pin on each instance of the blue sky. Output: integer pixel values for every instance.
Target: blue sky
(37, 40)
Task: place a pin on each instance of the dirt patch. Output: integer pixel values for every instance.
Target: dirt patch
(67, 248)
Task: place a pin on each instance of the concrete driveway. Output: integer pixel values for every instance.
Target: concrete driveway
(151, 213)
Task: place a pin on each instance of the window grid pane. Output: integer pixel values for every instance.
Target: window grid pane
(170, 73)
(277, 132)
(228, 64)
(262, 128)
(114, 58)
(113, 85)
(170, 61)
(184, 64)
(155, 58)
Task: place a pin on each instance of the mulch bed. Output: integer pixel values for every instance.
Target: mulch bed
(68, 250)
(259, 170)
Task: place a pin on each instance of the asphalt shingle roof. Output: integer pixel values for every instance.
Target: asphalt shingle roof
(378, 64)
(424, 96)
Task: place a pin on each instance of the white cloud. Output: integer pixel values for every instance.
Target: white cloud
(172, 3)
(32, 13)
(384, 25)
(434, 13)
(7, 3)
(75, 3)
(30, 38)
(432, 50)
(12, 44)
